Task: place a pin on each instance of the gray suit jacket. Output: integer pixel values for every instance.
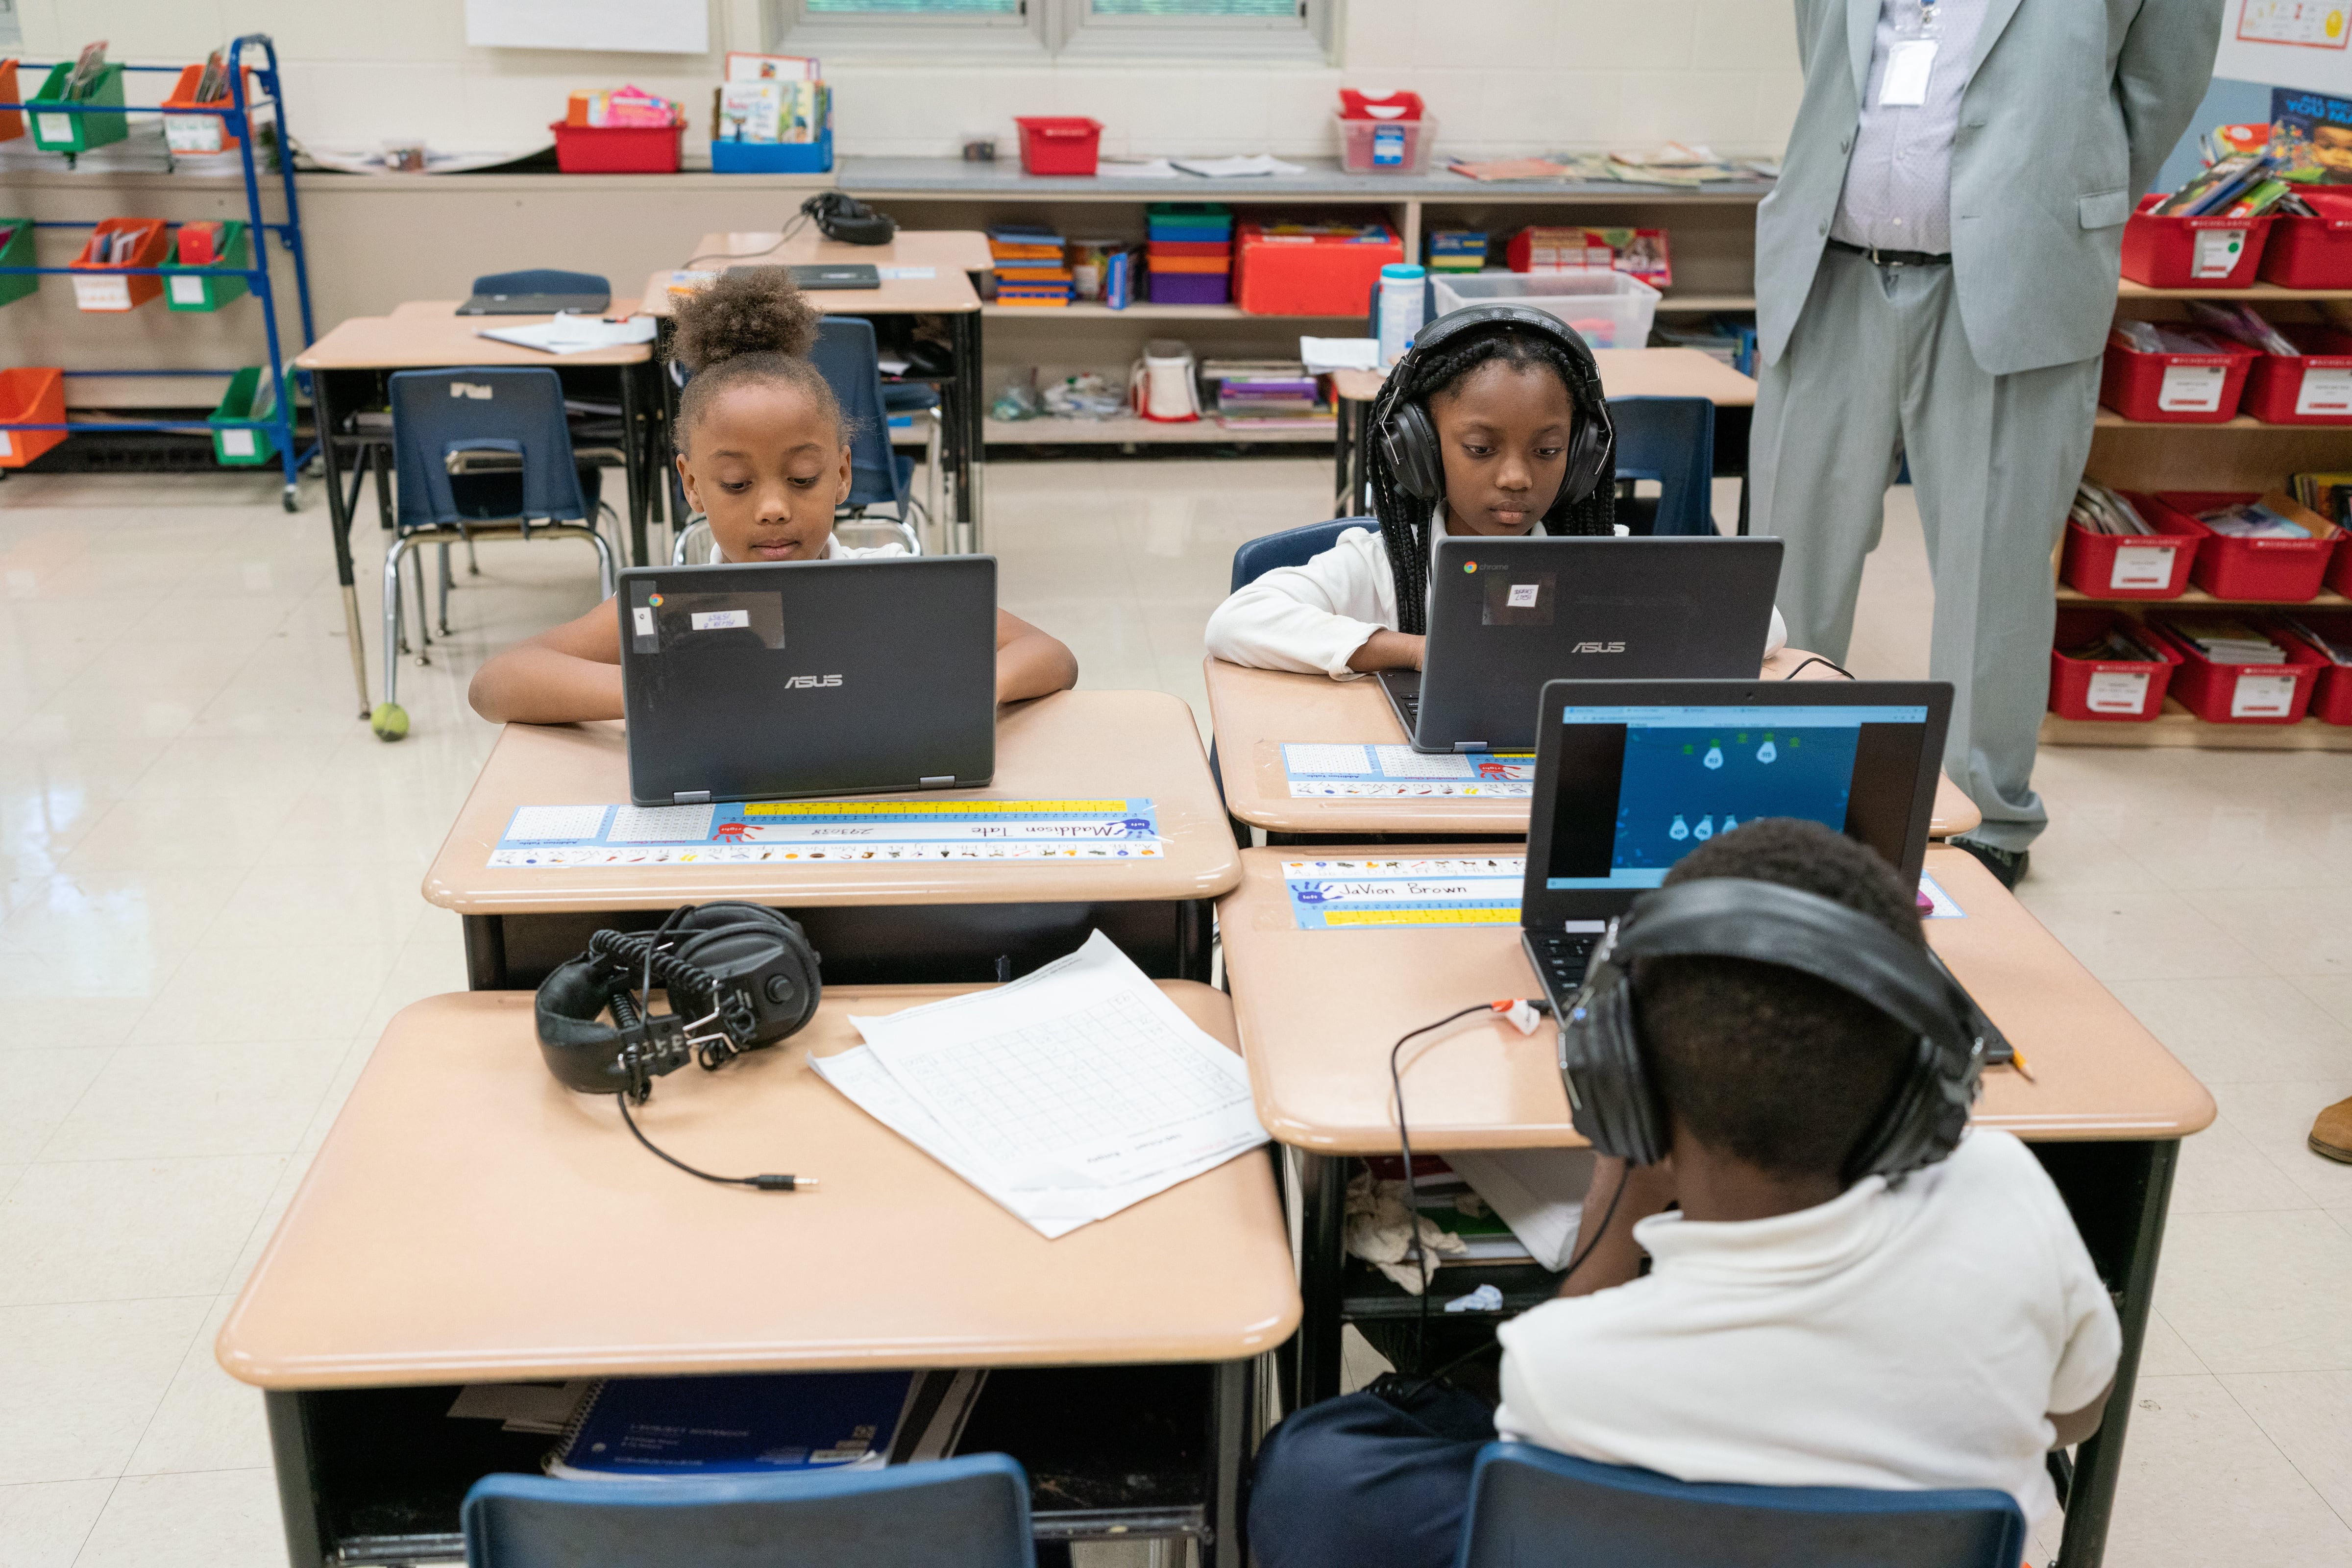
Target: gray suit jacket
(2071, 108)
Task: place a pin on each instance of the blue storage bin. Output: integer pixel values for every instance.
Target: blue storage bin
(774, 157)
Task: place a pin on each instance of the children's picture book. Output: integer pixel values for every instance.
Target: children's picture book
(2311, 137)
(751, 1424)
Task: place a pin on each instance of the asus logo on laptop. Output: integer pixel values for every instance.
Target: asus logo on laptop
(794, 681)
(1599, 647)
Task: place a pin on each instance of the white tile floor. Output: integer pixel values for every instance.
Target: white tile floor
(208, 908)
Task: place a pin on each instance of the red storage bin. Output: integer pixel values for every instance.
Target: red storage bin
(2131, 690)
(2243, 693)
(2312, 252)
(2174, 389)
(2310, 388)
(2263, 571)
(2338, 575)
(2331, 689)
(1059, 143)
(1310, 269)
(30, 394)
(2192, 252)
(2147, 566)
(616, 149)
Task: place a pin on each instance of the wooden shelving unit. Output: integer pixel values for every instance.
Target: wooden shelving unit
(2177, 726)
(1132, 432)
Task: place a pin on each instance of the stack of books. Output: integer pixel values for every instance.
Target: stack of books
(2228, 641)
(2329, 494)
(1261, 394)
(1456, 250)
(1191, 253)
(2099, 510)
(1029, 266)
(776, 100)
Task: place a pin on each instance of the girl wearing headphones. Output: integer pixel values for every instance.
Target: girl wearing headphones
(763, 453)
(1492, 424)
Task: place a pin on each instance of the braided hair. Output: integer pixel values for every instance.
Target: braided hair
(751, 324)
(1404, 518)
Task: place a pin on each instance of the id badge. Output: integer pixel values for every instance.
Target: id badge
(1909, 63)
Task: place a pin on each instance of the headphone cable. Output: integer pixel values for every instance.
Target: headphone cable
(766, 1184)
(1812, 659)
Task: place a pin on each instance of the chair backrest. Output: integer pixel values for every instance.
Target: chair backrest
(1292, 547)
(844, 355)
(1671, 440)
(971, 1511)
(440, 413)
(1533, 1508)
(543, 281)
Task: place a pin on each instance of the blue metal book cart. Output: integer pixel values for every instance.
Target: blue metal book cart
(273, 433)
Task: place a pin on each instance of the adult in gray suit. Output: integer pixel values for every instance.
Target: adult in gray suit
(1935, 276)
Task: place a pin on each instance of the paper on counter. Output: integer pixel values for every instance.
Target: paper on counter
(1254, 165)
(566, 333)
(1325, 354)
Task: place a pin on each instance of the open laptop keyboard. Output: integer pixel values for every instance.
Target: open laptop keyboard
(1562, 960)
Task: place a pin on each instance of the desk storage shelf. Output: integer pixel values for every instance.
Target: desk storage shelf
(244, 268)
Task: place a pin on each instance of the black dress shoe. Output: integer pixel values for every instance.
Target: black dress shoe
(2007, 866)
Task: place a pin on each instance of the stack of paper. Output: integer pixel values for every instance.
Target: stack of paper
(1065, 1096)
(2100, 510)
(566, 333)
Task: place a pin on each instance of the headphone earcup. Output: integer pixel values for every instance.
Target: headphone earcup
(1589, 451)
(581, 1050)
(766, 953)
(1612, 1101)
(1408, 442)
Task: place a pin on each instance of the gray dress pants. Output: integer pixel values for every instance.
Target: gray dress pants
(1879, 369)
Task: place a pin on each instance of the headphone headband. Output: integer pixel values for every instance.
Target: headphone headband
(1401, 421)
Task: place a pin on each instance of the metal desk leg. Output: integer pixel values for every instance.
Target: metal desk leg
(966, 437)
(1323, 1209)
(1343, 439)
(1229, 1420)
(297, 1492)
(338, 526)
(633, 465)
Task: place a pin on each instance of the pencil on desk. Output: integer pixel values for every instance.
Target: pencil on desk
(2017, 1060)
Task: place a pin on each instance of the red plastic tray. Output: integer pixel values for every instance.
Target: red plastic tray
(34, 394)
(2174, 389)
(2190, 252)
(2310, 388)
(2097, 564)
(1328, 275)
(2331, 689)
(616, 149)
(2129, 690)
(2243, 693)
(1059, 143)
(2312, 252)
(2263, 570)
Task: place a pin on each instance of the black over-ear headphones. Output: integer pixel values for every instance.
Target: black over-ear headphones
(1409, 438)
(849, 220)
(1611, 1094)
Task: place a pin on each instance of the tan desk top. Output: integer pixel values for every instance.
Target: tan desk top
(1624, 372)
(1072, 744)
(1318, 1010)
(1256, 712)
(468, 1217)
(427, 334)
(951, 253)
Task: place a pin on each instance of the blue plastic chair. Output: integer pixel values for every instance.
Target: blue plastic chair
(1672, 441)
(1532, 1508)
(1291, 547)
(477, 451)
(971, 1511)
(845, 355)
(543, 281)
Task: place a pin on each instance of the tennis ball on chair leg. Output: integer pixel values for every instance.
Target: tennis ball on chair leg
(389, 721)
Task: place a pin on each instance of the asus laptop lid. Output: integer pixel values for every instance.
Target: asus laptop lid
(1508, 614)
(534, 304)
(1632, 776)
(809, 677)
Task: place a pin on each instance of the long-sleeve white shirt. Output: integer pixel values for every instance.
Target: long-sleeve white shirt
(1311, 619)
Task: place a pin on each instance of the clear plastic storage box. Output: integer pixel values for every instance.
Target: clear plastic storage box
(1611, 309)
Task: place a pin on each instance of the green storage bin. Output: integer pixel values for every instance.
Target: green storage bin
(17, 252)
(213, 284)
(77, 133)
(243, 447)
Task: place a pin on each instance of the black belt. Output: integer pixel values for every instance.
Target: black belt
(1894, 258)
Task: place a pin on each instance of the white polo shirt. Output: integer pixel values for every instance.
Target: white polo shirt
(1911, 1337)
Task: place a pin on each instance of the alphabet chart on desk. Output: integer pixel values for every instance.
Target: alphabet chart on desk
(1342, 895)
(771, 832)
(1366, 770)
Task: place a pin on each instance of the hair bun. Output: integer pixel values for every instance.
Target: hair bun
(745, 310)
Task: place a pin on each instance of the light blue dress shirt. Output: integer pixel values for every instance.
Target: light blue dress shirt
(1899, 183)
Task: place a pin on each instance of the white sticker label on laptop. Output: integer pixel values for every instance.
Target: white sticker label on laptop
(1523, 595)
(721, 620)
(2218, 250)
(2262, 697)
(2119, 692)
(2142, 566)
(2326, 389)
(645, 619)
(2190, 388)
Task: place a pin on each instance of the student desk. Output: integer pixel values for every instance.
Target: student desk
(950, 253)
(349, 370)
(1256, 712)
(1318, 1010)
(873, 921)
(470, 1220)
(1624, 372)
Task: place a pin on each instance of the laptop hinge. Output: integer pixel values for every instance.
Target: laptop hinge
(691, 797)
(1470, 745)
(941, 781)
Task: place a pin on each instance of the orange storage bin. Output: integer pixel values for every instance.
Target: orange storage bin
(2331, 689)
(2192, 252)
(30, 396)
(200, 132)
(107, 291)
(2127, 689)
(2313, 387)
(2263, 571)
(2242, 693)
(2135, 567)
(2174, 388)
(12, 121)
(1310, 269)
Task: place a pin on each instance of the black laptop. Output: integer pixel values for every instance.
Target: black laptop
(1508, 614)
(1632, 776)
(775, 680)
(814, 275)
(535, 304)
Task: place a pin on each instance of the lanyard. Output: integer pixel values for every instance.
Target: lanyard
(1920, 19)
